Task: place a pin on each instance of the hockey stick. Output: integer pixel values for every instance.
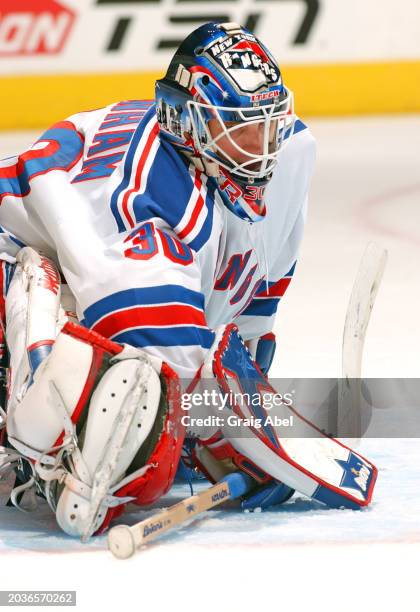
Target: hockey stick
(362, 299)
(123, 540)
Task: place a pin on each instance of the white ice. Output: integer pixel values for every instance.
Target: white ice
(302, 555)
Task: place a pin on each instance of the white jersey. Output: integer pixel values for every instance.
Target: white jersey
(152, 255)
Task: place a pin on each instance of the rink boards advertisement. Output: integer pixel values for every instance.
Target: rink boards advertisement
(338, 57)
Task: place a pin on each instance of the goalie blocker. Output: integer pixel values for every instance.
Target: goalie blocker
(310, 462)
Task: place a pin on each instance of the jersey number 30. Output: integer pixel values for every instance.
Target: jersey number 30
(144, 241)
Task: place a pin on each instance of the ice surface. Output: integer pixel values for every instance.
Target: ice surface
(301, 556)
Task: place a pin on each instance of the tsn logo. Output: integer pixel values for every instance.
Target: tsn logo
(33, 28)
(180, 13)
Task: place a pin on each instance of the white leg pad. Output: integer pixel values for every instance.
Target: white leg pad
(114, 389)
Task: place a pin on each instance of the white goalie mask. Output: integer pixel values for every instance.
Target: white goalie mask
(223, 101)
(243, 140)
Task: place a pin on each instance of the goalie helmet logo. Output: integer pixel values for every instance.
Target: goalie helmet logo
(248, 65)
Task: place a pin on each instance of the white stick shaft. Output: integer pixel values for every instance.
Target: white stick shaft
(359, 309)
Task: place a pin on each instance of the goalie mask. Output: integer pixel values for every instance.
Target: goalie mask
(223, 104)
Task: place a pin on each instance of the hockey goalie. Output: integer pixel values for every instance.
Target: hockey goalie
(144, 246)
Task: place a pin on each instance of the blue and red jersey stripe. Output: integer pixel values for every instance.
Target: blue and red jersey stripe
(166, 315)
(167, 187)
